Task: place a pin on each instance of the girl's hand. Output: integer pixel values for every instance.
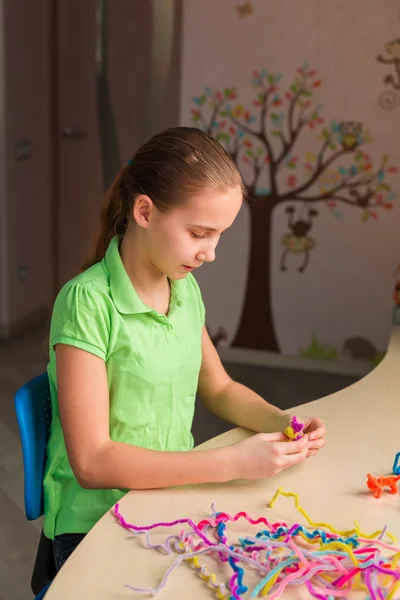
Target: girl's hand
(266, 454)
(316, 431)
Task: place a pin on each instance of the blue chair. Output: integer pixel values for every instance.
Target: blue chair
(33, 409)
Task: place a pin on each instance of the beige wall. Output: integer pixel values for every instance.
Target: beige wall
(25, 184)
(346, 290)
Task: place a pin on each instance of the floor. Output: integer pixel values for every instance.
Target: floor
(23, 357)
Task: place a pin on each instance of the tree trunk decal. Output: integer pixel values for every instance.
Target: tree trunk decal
(262, 142)
(256, 324)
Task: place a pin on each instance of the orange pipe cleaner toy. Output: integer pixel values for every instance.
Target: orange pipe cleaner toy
(376, 484)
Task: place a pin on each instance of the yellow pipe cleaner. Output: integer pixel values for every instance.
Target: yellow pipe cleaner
(347, 533)
(210, 578)
(393, 590)
(395, 560)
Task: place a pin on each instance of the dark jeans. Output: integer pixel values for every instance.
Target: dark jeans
(64, 545)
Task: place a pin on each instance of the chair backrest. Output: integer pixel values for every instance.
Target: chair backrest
(33, 409)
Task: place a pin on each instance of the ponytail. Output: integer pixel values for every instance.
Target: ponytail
(113, 217)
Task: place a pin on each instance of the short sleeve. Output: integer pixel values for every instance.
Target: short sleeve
(81, 318)
(198, 296)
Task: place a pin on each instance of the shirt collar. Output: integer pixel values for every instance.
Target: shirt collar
(123, 293)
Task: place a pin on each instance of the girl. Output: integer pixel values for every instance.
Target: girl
(129, 348)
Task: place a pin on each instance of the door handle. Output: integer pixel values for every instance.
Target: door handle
(72, 133)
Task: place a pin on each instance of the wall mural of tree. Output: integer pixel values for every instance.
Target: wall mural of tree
(262, 141)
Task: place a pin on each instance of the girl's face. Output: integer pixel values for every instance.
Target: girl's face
(185, 237)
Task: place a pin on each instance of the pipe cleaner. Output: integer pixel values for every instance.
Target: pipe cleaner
(301, 510)
(328, 562)
(376, 484)
(295, 430)
(396, 466)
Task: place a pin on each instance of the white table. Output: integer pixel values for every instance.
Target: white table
(363, 423)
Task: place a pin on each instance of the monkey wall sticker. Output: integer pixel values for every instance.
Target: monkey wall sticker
(389, 99)
(297, 240)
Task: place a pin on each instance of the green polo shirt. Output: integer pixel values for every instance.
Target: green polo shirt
(152, 361)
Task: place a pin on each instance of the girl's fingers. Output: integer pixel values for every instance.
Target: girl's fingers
(297, 446)
(316, 429)
(317, 444)
(311, 453)
(295, 458)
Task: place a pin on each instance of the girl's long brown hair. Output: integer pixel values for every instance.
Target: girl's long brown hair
(167, 168)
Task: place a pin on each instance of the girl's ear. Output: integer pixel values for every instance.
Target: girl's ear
(142, 210)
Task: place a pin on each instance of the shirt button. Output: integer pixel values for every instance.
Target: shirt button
(169, 328)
